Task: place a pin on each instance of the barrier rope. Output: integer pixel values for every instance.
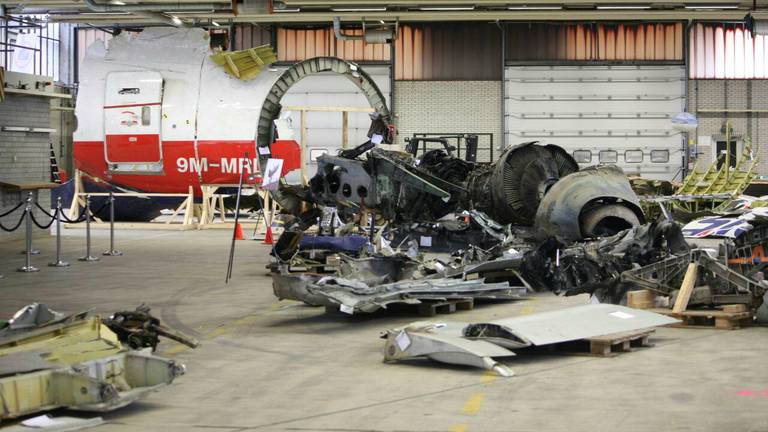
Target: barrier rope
(67, 219)
(45, 212)
(76, 220)
(52, 216)
(103, 206)
(41, 226)
(12, 210)
(18, 224)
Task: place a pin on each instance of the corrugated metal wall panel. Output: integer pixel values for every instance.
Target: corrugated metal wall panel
(448, 51)
(251, 35)
(301, 44)
(726, 51)
(544, 42)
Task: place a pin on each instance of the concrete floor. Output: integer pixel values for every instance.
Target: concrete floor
(280, 366)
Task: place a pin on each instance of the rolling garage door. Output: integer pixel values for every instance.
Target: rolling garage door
(600, 114)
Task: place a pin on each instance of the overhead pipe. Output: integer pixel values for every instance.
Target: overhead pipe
(176, 7)
(343, 36)
(380, 35)
(153, 12)
(162, 18)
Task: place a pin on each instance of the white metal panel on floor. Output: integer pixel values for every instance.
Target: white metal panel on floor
(600, 114)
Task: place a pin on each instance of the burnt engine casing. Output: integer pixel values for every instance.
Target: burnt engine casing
(594, 202)
(510, 189)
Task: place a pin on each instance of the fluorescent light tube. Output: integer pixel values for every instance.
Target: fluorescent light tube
(712, 6)
(360, 9)
(535, 7)
(447, 8)
(611, 7)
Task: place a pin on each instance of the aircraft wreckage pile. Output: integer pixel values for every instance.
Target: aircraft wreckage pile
(531, 221)
(81, 361)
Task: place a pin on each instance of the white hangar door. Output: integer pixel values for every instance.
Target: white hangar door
(600, 114)
(324, 129)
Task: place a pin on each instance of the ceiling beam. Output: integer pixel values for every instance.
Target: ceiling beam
(486, 16)
(490, 3)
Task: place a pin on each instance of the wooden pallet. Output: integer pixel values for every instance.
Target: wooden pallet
(428, 308)
(613, 344)
(604, 346)
(432, 308)
(731, 317)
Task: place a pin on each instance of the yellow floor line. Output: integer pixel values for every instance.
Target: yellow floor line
(488, 377)
(473, 404)
(461, 427)
(176, 349)
(222, 329)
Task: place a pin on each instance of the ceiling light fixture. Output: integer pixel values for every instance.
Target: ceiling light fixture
(215, 24)
(287, 10)
(360, 9)
(104, 13)
(536, 7)
(447, 8)
(712, 6)
(630, 7)
(176, 21)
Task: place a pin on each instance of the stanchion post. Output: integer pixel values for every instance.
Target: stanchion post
(112, 251)
(58, 262)
(373, 226)
(28, 267)
(88, 257)
(31, 249)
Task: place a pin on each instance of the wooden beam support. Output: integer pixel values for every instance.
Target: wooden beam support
(686, 288)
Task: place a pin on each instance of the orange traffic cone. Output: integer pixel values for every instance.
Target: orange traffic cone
(268, 238)
(239, 232)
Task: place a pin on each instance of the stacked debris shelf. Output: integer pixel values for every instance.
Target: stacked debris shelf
(729, 317)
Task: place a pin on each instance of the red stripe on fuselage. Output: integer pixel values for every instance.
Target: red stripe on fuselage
(181, 166)
(131, 105)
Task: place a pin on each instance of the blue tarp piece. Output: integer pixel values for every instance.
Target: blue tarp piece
(126, 208)
(349, 243)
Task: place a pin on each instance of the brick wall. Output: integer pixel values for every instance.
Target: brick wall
(24, 156)
(449, 107)
(733, 95)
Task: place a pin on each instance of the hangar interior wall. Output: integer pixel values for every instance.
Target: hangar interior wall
(449, 107)
(737, 95)
(24, 156)
(324, 129)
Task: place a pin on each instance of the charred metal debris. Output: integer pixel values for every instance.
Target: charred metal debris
(51, 360)
(139, 329)
(389, 227)
(403, 189)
